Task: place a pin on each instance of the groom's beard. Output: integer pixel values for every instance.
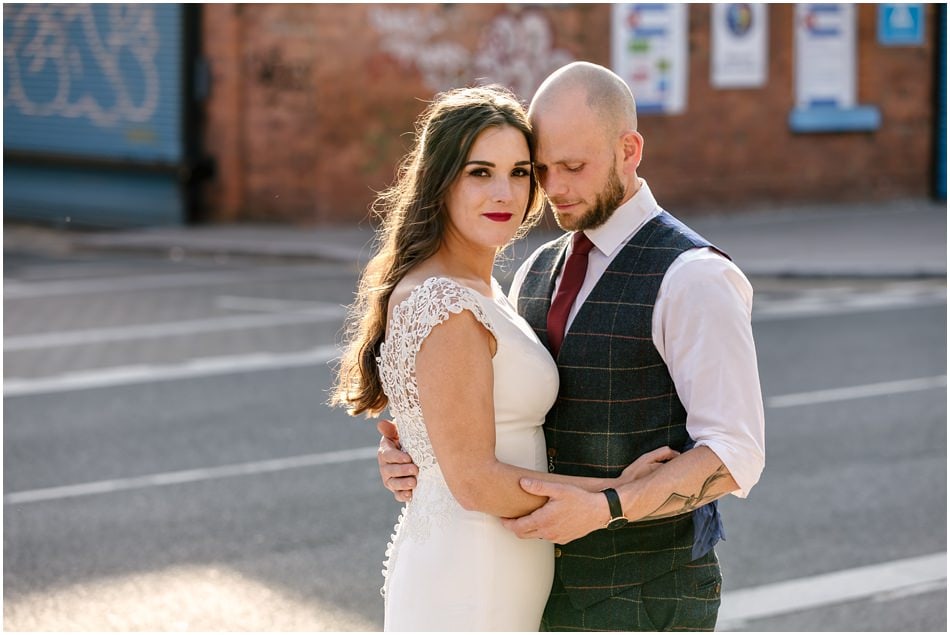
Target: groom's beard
(605, 203)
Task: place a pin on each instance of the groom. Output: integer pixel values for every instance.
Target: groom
(650, 328)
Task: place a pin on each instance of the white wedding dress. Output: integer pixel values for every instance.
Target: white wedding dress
(449, 569)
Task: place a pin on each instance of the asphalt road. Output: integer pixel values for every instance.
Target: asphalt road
(170, 463)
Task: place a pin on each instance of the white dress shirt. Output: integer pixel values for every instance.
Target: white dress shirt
(702, 330)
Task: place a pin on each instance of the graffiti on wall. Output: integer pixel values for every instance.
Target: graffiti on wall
(518, 51)
(272, 70)
(66, 61)
(515, 49)
(412, 38)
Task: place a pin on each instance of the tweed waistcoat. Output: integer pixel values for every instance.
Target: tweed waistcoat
(616, 402)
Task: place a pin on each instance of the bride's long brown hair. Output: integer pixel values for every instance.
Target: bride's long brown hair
(413, 218)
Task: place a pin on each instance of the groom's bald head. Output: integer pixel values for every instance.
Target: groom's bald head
(601, 90)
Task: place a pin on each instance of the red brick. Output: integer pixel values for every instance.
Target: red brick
(309, 111)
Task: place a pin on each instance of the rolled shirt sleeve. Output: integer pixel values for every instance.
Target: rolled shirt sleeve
(703, 331)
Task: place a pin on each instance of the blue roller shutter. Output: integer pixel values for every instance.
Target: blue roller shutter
(94, 113)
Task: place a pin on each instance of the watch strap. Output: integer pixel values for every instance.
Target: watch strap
(613, 502)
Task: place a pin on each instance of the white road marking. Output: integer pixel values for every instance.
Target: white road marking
(205, 367)
(837, 301)
(272, 305)
(188, 476)
(924, 573)
(910, 591)
(324, 313)
(856, 392)
(15, 290)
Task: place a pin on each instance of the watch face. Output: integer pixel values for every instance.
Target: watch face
(617, 523)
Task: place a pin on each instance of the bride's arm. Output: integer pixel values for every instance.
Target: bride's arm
(456, 386)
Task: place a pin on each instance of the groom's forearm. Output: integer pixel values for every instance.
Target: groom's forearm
(587, 483)
(689, 481)
(680, 485)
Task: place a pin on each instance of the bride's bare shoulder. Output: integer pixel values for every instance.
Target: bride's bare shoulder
(406, 286)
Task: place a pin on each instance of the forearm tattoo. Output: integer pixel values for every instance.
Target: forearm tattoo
(678, 504)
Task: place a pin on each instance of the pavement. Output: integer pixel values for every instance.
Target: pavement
(890, 239)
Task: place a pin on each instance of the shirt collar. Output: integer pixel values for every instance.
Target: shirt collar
(625, 221)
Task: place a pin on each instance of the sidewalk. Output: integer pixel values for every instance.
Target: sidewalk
(891, 239)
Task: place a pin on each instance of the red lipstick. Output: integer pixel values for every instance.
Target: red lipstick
(498, 217)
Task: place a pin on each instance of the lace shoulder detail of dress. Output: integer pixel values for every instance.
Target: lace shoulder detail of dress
(432, 302)
(429, 304)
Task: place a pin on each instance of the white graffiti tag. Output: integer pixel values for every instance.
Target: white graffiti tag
(52, 72)
(518, 52)
(516, 49)
(409, 36)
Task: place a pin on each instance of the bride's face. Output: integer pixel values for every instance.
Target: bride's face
(487, 201)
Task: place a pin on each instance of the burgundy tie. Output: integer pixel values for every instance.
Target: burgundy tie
(574, 271)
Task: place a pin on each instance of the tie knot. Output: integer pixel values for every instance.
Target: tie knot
(582, 244)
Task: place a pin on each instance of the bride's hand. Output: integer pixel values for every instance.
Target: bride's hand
(646, 463)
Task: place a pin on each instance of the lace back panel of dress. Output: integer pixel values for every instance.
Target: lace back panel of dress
(429, 304)
(413, 319)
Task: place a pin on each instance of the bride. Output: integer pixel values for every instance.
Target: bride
(432, 336)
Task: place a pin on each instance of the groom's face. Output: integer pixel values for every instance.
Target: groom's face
(576, 165)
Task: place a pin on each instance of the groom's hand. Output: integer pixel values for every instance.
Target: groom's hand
(569, 514)
(396, 468)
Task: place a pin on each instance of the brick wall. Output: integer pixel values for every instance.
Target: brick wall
(310, 105)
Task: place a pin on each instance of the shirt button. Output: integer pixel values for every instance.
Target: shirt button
(557, 552)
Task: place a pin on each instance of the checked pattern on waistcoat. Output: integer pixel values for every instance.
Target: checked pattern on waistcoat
(616, 401)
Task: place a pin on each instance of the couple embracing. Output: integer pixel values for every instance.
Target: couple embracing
(560, 449)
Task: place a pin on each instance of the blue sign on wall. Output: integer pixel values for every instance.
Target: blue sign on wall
(900, 24)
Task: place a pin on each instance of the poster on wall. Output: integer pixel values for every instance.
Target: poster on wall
(649, 51)
(740, 34)
(825, 56)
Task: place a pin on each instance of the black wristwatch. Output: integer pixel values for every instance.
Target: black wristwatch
(617, 519)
